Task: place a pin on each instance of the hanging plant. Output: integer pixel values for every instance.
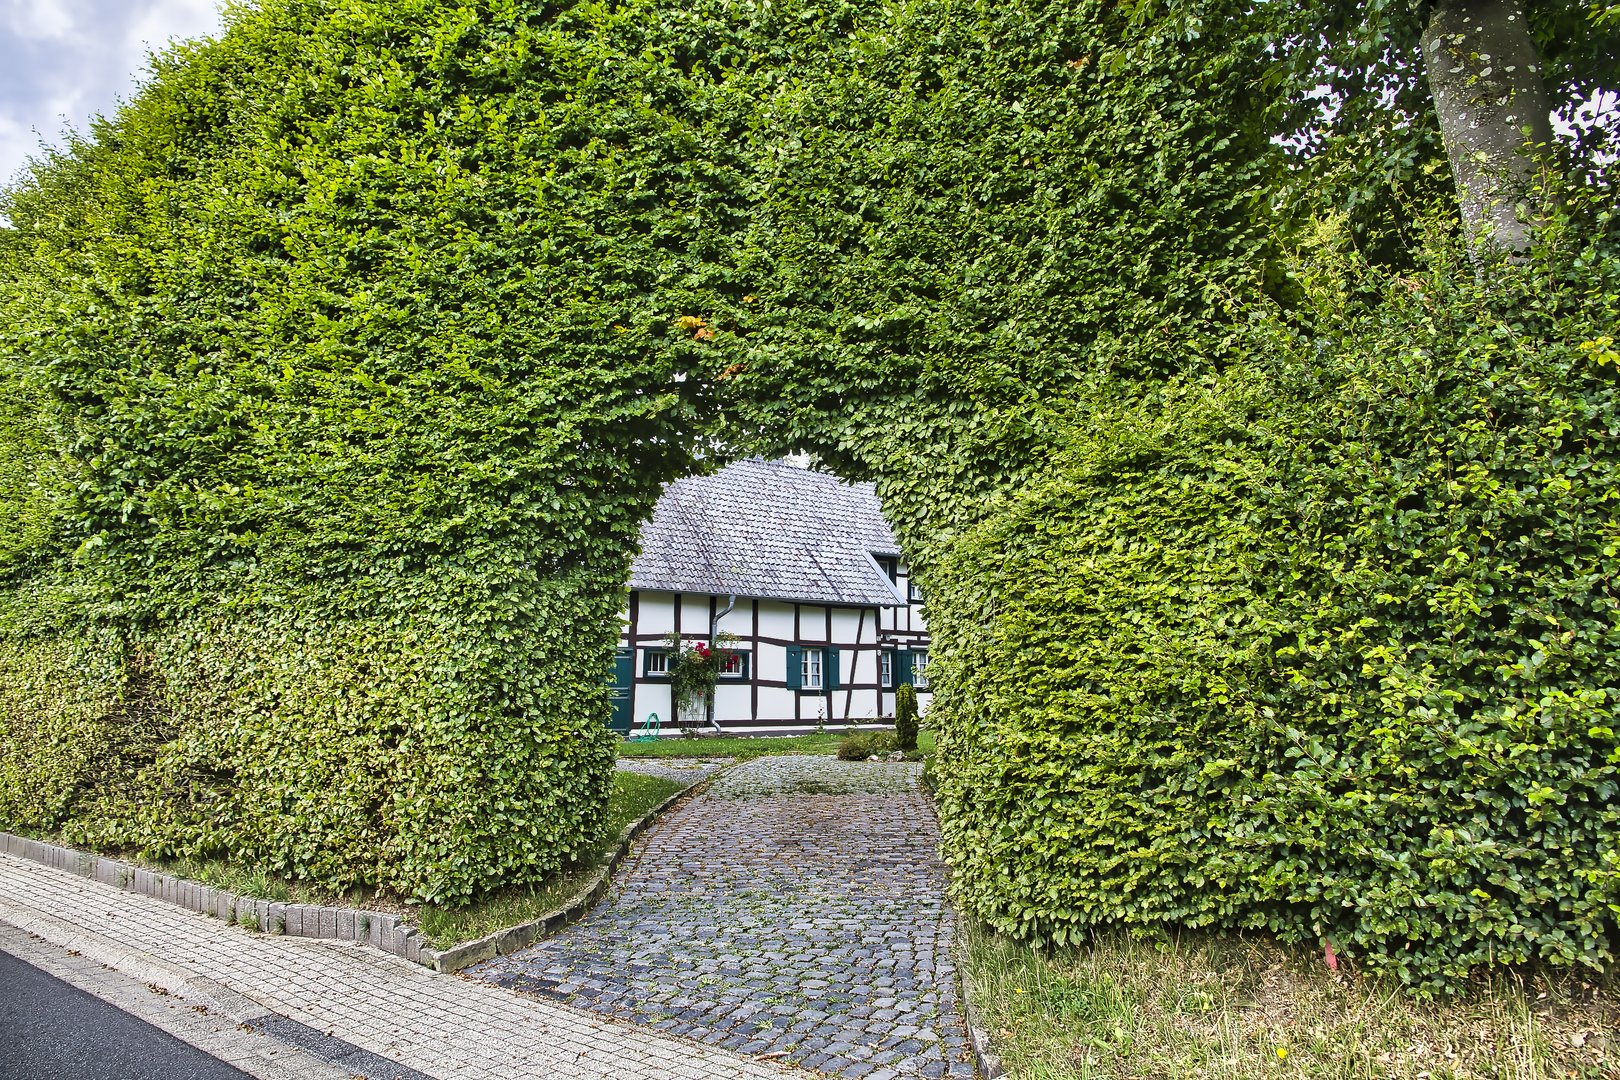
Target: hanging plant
(695, 666)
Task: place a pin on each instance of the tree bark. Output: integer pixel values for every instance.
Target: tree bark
(1485, 76)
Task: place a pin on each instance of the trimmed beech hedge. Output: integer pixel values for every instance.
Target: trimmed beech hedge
(1325, 643)
(360, 343)
(340, 368)
(353, 347)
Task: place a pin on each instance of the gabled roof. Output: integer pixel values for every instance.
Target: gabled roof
(771, 530)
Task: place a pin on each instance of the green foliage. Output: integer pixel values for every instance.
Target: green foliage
(340, 368)
(905, 717)
(695, 666)
(368, 335)
(1354, 107)
(864, 744)
(78, 725)
(633, 797)
(1323, 643)
(972, 211)
(359, 329)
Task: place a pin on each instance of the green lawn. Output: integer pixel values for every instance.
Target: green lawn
(748, 747)
(1210, 1007)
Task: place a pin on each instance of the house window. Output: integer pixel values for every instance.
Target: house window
(811, 663)
(914, 592)
(735, 666)
(886, 667)
(655, 662)
(919, 668)
(890, 565)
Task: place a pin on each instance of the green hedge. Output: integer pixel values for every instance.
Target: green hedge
(1323, 644)
(366, 336)
(340, 368)
(356, 341)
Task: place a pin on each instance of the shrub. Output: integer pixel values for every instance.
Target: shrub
(1322, 645)
(865, 744)
(338, 373)
(340, 368)
(905, 717)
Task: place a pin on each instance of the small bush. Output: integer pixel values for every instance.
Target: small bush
(865, 744)
(905, 717)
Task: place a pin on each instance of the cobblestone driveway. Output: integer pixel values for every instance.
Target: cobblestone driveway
(796, 909)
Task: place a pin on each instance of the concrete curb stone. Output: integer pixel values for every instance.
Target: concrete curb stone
(381, 931)
(988, 1060)
(385, 932)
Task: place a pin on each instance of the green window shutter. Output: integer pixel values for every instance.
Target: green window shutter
(902, 668)
(795, 667)
(832, 669)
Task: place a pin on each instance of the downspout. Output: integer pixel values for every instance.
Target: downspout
(714, 635)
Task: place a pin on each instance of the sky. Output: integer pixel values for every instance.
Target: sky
(63, 61)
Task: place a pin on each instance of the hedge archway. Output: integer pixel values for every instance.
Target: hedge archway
(344, 362)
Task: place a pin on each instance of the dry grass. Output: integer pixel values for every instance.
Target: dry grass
(1228, 1008)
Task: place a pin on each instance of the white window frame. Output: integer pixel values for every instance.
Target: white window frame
(919, 669)
(913, 593)
(656, 663)
(812, 667)
(738, 657)
(886, 668)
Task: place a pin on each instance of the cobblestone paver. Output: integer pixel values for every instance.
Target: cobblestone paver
(448, 1028)
(795, 910)
(686, 771)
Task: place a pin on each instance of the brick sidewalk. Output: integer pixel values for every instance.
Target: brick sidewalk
(445, 1027)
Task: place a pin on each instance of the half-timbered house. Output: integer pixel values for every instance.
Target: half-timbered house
(801, 573)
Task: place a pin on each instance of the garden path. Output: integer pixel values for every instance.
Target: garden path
(795, 910)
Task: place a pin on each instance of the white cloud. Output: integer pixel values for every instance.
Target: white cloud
(167, 20)
(64, 61)
(38, 20)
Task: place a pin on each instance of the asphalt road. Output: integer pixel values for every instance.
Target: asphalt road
(52, 1031)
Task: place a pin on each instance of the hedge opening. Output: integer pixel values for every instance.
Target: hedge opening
(1270, 585)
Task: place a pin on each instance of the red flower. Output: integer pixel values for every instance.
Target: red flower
(702, 649)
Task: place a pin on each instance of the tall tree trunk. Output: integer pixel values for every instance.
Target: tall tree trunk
(1485, 76)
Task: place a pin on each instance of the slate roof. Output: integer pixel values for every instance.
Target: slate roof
(768, 530)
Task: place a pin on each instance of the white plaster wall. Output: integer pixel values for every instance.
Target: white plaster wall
(776, 621)
(861, 705)
(776, 703)
(732, 702)
(770, 665)
(739, 620)
(652, 697)
(695, 615)
(812, 623)
(860, 667)
(655, 613)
